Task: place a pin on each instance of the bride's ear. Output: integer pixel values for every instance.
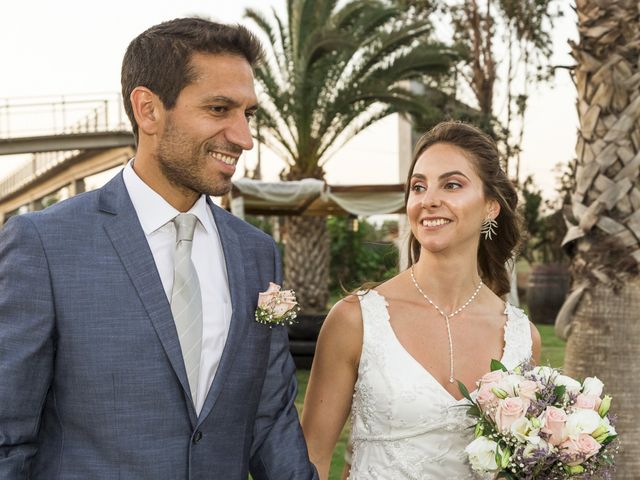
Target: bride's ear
(493, 209)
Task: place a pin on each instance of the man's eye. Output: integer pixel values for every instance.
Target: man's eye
(218, 109)
(250, 115)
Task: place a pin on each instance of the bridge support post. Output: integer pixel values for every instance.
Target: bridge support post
(76, 186)
(35, 205)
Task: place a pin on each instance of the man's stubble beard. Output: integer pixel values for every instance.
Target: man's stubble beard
(182, 163)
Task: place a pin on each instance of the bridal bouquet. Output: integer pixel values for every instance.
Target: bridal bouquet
(534, 423)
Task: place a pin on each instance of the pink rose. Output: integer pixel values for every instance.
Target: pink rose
(509, 410)
(528, 389)
(492, 377)
(286, 302)
(486, 398)
(588, 402)
(579, 449)
(266, 299)
(555, 420)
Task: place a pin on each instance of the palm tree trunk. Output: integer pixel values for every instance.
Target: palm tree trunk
(306, 261)
(604, 333)
(605, 342)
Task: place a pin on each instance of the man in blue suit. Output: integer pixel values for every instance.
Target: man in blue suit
(128, 344)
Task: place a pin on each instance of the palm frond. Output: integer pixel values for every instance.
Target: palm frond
(341, 68)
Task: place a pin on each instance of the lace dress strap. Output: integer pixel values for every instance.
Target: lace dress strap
(374, 315)
(518, 343)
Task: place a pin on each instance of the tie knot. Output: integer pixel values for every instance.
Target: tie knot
(185, 225)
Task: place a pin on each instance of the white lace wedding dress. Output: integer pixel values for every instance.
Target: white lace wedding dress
(405, 425)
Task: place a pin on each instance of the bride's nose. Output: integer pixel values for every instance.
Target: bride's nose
(431, 199)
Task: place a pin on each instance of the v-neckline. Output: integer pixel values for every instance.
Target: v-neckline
(421, 367)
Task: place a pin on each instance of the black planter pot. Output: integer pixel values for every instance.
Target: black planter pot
(302, 338)
(546, 291)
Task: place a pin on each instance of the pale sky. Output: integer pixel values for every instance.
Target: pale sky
(69, 47)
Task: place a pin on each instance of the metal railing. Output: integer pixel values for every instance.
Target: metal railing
(40, 164)
(61, 115)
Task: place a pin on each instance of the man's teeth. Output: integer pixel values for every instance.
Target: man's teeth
(435, 223)
(224, 158)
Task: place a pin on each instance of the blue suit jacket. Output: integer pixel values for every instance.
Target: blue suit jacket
(92, 381)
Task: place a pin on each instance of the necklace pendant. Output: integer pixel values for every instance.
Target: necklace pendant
(451, 380)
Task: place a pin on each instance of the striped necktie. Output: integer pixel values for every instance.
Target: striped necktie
(186, 300)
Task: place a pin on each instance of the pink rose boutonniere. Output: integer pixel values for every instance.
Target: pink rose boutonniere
(277, 306)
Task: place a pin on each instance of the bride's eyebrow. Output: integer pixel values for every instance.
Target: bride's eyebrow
(420, 176)
(452, 173)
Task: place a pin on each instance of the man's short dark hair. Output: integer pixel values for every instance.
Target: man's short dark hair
(160, 57)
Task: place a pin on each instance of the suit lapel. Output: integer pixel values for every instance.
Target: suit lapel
(234, 261)
(129, 241)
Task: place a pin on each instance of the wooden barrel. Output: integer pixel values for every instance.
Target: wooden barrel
(302, 338)
(546, 291)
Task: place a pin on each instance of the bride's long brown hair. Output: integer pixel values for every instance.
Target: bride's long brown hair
(483, 152)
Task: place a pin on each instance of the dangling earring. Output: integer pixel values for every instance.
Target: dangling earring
(488, 229)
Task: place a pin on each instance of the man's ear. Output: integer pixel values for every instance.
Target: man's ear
(147, 110)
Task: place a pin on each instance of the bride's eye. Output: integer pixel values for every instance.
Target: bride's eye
(452, 185)
(418, 187)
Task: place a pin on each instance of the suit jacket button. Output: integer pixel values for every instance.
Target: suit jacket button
(197, 436)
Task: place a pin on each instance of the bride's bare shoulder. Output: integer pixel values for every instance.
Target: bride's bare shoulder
(342, 332)
(345, 316)
(395, 290)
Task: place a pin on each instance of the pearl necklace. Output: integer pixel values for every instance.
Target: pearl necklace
(447, 317)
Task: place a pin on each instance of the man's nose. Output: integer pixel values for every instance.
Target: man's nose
(239, 133)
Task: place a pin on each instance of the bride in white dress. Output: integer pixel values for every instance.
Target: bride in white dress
(391, 355)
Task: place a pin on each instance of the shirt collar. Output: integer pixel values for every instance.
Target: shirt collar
(153, 210)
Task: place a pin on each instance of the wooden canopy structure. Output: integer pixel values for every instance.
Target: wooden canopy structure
(312, 197)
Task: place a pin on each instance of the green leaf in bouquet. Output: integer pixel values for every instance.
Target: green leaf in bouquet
(559, 391)
(574, 469)
(609, 439)
(463, 390)
(498, 458)
(497, 365)
(474, 411)
(488, 427)
(506, 456)
(507, 475)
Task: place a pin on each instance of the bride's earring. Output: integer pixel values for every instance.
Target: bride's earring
(489, 228)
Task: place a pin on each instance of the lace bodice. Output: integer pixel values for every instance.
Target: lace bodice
(405, 425)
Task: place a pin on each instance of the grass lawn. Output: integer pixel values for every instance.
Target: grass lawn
(552, 354)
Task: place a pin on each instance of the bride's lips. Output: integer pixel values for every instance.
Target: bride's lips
(434, 223)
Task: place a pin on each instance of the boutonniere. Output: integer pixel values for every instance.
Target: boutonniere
(277, 306)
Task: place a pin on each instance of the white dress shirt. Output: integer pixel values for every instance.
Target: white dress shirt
(156, 216)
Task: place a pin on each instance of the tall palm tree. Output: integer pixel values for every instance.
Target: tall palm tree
(604, 330)
(333, 69)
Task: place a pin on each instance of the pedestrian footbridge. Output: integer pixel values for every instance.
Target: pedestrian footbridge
(62, 140)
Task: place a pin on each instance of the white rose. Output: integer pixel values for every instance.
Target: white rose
(543, 373)
(592, 386)
(524, 431)
(571, 385)
(582, 421)
(482, 454)
(509, 383)
(531, 449)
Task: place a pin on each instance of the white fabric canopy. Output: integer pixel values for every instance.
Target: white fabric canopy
(298, 194)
